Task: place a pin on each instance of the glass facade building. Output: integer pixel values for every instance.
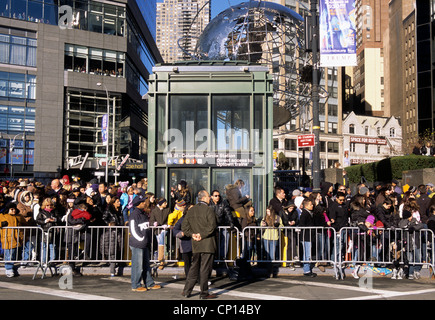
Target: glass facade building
(53, 53)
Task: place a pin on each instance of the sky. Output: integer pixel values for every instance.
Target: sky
(217, 6)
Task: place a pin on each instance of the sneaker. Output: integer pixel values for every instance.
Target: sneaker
(417, 275)
(411, 277)
(394, 275)
(140, 289)
(9, 273)
(355, 274)
(400, 274)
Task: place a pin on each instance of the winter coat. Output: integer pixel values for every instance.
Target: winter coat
(307, 220)
(338, 212)
(223, 213)
(185, 242)
(160, 216)
(25, 208)
(43, 215)
(201, 219)
(277, 204)
(234, 197)
(111, 215)
(174, 217)
(12, 238)
(139, 229)
(388, 219)
(272, 232)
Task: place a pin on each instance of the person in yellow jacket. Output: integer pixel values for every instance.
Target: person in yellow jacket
(178, 212)
(11, 237)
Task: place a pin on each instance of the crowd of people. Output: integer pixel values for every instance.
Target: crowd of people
(75, 203)
(371, 211)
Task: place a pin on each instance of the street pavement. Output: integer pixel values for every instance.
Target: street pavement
(287, 285)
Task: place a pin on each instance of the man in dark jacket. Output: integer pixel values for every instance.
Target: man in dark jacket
(140, 241)
(423, 202)
(338, 212)
(308, 235)
(224, 218)
(279, 200)
(200, 224)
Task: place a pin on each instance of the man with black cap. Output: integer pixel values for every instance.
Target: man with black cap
(140, 241)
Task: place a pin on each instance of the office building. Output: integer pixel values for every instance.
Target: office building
(179, 25)
(63, 65)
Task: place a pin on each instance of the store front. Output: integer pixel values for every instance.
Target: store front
(210, 124)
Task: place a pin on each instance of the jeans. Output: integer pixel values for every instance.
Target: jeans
(414, 257)
(27, 250)
(270, 247)
(11, 255)
(161, 237)
(52, 252)
(307, 266)
(224, 237)
(140, 267)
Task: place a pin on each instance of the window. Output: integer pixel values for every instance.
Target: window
(17, 50)
(276, 144)
(366, 148)
(352, 147)
(332, 147)
(17, 86)
(17, 119)
(95, 61)
(231, 122)
(352, 129)
(332, 127)
(290, 144)
(188, 114)
(392, 133)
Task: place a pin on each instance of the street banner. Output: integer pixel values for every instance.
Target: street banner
(105, 130)
(337, 33)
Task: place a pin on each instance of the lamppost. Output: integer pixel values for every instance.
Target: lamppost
(99, 84)
(11, 149)
(315, 96)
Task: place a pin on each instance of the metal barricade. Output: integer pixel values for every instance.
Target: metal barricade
(105, 244)
(228, 244)
(165, 247)
(391, 248)
(289, 245)
(21, 246)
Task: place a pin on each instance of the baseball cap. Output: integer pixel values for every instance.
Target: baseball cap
(138, 200)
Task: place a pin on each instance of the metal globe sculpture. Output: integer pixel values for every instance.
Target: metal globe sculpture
(270, 34)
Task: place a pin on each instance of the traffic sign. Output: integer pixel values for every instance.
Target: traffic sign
(306, 140)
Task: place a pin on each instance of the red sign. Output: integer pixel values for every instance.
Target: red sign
(306, 140)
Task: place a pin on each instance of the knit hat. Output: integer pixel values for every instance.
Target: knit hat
(379, 224)
(180, 203)
(370, 219)
(162, 201)
(412, 189)
(406, 214)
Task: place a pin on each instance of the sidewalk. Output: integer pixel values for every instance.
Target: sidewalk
(178, 272)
